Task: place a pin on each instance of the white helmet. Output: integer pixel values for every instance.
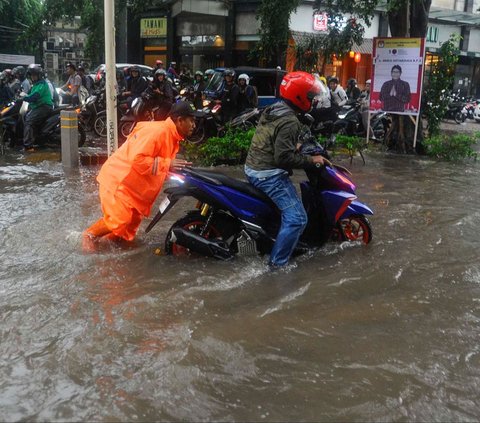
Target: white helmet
(244, 76)
(368, 81)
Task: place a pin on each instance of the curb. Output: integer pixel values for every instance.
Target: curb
(92, 159)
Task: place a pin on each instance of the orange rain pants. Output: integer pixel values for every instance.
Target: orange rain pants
(132, 177)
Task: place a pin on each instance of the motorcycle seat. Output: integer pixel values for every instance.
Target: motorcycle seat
(221, 179)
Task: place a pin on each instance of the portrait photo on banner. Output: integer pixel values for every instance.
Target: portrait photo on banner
(397, 71)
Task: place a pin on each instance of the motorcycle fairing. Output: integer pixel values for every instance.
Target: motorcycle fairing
(335, 203)
(356, 208)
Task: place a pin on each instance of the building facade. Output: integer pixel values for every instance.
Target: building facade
(204, 34)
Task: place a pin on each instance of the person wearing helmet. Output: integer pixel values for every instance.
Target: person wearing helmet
(198, 89)
(337, 93)
(6, 94)
(87, 81)
(172, 71)
(208, 75)
(247, 96)
(136, 85)
(72, 85)
(163, 93)
(41, 104)
(158, 65)
(353, 92)
(274, 153)
(229, 96)
(19, 73)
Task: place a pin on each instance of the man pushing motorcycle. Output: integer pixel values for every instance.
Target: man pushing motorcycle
(132, 177)
(274, 153)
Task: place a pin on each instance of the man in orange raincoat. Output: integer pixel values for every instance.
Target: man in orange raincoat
(132, 177)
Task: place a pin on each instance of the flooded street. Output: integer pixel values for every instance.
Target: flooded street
(384, 332)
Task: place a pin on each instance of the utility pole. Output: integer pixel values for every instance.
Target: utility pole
(111, 76)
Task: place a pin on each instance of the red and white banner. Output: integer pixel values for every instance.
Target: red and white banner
(397, 75)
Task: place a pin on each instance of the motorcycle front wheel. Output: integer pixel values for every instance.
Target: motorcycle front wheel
(198, 135)
(126, 128)
(459, 117)
(355, 228)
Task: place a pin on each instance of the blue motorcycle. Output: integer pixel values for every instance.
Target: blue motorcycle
(233, 217)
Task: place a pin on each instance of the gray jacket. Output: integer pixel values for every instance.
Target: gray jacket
(274, 145)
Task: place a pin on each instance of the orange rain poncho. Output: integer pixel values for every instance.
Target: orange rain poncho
(131, 179)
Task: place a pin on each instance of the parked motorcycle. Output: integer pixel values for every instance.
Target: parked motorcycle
(208, 122)
(456, 109)
(350, 123)
(233, 218)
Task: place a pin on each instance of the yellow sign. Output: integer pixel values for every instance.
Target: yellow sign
(398, 42)
(153, 27)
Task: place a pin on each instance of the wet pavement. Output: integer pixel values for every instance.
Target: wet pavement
(386, 332)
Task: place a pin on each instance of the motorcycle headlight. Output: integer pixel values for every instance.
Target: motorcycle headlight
(206, 103)
(183, 91)
(341, 116)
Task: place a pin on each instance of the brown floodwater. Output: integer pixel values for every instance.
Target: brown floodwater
(384, 332)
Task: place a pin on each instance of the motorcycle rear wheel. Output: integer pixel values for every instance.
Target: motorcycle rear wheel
(100, 125)
(355, 228)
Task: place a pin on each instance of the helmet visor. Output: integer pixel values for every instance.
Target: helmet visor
(318, 89)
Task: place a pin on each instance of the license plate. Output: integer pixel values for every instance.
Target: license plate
(164, 204)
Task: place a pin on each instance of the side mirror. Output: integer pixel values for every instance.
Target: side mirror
(308, 119)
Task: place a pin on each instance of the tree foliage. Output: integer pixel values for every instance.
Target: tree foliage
(274, 17)
(436, 92)
(347, 20)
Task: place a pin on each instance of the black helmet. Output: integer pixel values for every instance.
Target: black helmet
(135, 69)
(35, 69)
(229, 72)
(352, 82)
(160, 72)
(70, 65)
(333, 79)
(19, 70)
(80, 68)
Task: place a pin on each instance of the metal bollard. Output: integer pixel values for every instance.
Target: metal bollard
(69, 135)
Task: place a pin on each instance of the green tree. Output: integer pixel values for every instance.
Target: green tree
(16, 18)
(274, 17)
(437, 88)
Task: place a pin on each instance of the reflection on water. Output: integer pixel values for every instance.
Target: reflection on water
(386, 332)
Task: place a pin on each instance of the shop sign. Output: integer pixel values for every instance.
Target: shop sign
(320, 22)
(397, 71)
(153, 27)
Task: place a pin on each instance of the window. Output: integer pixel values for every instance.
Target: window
(432, 34)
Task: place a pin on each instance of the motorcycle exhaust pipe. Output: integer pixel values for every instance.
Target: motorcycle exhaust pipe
(200, 245)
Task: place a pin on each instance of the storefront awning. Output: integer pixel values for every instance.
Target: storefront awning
(448, 15)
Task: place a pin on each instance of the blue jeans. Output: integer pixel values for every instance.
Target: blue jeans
(294, 218)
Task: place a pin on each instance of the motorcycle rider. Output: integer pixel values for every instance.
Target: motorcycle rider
(72, 86)
(172, 71)
(353, 92)
(274, 153)
(136, 85)
(247, 96)
(19, 73)
(6, 94)
(198, 88)
(337, 94)
(208, 75)
(133, 176)
(229, 96)
(41, 104)
(163, 93)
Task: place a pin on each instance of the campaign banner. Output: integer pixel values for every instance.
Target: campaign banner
(397, 75)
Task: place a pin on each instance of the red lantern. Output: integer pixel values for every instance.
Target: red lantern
(358, 57)
(351, 53)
